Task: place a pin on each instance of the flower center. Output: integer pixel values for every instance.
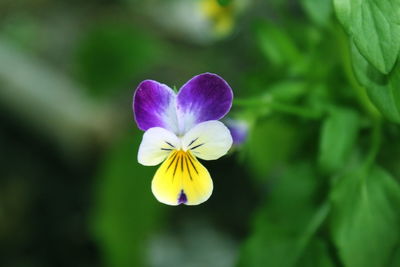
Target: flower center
(181, 162)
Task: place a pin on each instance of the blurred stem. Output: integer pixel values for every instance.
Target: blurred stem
(296, 110)
(315, 223)
(278, 107)
(376, 138)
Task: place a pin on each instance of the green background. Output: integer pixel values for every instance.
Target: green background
(315, 184)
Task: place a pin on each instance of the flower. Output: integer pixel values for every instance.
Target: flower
(222, 17)
(179, 129)
(200, 21)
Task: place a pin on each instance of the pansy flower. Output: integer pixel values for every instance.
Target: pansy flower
(181, 128)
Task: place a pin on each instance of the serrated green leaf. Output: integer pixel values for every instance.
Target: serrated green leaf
(375, 27)
(338, 135)
(365, 219)
(377, 85)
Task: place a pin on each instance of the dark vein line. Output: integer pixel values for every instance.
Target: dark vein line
(172, 161)
(190, 159)
(176, 165)
(193, 142)
(183, 157)
(166, 149)
(187, 166)
(168, 143)
(190, 156)
(193, 148)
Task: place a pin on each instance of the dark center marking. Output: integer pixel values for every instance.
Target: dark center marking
(182, 199)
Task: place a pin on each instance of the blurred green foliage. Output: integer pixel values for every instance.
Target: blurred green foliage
(283, 229)
(224, 2)
(368, 199)
(112, 53)
(277, 136)
(319, 11)
(125, 214)
(358, 200)
(315, 184)
(338, 135)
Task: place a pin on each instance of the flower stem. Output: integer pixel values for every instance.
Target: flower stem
(376, 138)
(279, 107)
(315, 223)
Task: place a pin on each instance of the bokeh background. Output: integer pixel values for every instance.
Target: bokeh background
(71, 190)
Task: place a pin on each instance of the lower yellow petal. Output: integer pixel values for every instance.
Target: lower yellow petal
(181, 179)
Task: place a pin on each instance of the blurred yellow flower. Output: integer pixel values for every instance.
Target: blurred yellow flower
(221, 17)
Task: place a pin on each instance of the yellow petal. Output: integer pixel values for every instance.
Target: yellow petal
(182, 179)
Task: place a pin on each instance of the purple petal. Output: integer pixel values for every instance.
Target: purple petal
(205, 97)
(154, 106)
(239, 130)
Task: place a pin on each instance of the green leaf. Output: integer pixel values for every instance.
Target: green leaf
(224, 2)
(276, 45)
(285, 226)
(112, 54)
(287, 91)
(375, 27)
(366, 218)
(317, 254)
(381, 94)
(318, 10)
(269, 145)
(338, 135)
(395, 261)
(394, 85)
(126, 212)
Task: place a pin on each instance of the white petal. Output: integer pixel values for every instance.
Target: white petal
(157, 144)
(208, 140)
